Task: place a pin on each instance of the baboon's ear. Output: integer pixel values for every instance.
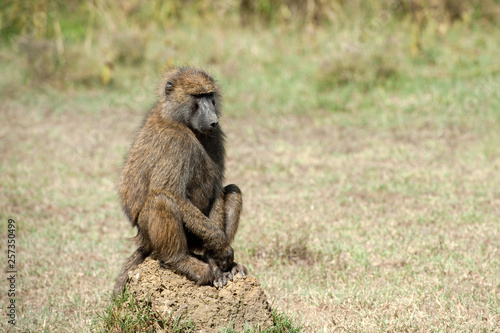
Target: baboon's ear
(169, 87)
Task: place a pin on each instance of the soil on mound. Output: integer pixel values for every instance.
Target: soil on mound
(239, 304)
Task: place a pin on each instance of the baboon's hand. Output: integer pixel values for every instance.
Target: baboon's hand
(223, 259)
(221, 278)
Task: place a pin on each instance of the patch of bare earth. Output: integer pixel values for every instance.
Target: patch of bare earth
(241, 303)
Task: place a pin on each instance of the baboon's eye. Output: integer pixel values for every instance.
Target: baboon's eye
(210, 96)
(195, 107)
(207, 95)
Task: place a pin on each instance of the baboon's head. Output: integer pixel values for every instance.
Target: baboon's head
(191, 97)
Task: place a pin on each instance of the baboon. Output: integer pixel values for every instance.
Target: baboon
(171, 184)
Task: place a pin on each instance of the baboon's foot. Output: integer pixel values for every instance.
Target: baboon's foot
(236, 268)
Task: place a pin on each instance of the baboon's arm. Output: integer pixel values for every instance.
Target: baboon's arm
(217, 213)
(209, 232)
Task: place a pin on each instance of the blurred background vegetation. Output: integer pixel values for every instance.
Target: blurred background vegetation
(85, 42)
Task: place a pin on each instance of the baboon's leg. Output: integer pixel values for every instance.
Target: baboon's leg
(233, 204)
(161, 219)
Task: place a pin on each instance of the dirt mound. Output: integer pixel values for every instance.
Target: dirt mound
(240, 303)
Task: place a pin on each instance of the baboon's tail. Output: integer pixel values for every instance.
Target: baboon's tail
(132, 262)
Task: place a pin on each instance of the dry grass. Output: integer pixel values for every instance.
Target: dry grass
(382, 217)
(402, 230)
(351, 228)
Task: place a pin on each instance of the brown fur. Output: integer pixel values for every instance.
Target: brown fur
(171, 186)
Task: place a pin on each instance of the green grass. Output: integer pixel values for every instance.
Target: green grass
(282, 323)
(371, 204)
(125, 314)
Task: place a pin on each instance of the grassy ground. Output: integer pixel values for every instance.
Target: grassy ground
(372, 198)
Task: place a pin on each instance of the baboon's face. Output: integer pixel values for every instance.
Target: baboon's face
(203, 117)
(192, 97)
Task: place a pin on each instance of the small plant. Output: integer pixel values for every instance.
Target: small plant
(46, 62)
(364, 67)
(126, 314)
(282, 324)
(128, 47)
(42, 59)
